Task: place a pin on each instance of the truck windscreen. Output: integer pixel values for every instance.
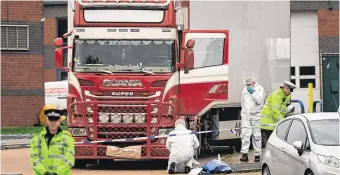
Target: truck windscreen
(124, 55)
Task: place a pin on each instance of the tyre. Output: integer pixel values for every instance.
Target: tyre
(237, 146)
(80, 164)
(265, 170)
(198, 151)
(106, 162)
(309, 173)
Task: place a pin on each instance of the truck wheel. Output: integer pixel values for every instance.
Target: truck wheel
(237, 147)
(80, 163)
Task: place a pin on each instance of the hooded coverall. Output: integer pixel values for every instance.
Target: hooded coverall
(251, 108)
(273, 111)
(182, 147)
(57, 157)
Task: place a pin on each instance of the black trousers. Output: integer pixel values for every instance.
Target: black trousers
(265, 136)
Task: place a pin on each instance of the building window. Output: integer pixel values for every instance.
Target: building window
(14, 37)
(307, 70)
(304, 83)
(61, 75)
(292, 71)
(293, 81)
(61, 30)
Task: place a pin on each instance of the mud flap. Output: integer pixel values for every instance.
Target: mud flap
(130, 152)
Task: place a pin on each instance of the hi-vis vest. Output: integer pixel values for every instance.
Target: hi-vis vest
(57, 158)
(274, 109)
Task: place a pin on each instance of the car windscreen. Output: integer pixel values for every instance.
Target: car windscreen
(325, 132)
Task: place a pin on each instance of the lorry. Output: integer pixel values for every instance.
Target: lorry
(136, 66)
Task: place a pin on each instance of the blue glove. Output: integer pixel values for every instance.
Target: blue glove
(250, 90)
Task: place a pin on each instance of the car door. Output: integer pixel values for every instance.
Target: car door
(206, 84)
(277, 165)
(297, 132)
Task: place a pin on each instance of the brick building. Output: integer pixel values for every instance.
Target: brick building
(22, 62)
(315, 51)
(28, 29)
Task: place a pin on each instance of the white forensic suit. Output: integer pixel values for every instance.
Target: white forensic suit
(182, 148)
(251, 108)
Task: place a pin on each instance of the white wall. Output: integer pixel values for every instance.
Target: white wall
(305, 52)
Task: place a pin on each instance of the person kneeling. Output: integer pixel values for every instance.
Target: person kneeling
(181, 148)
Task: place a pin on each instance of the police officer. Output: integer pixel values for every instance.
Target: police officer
(52, 149)
(275, 109)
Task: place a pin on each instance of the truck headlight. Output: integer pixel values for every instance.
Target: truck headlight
(77, 131)
(154, 120)
(140, 118)
(103, 118)
(164, 131)
(116, 118)
(89, 109)
(127, 118)
(329, 160)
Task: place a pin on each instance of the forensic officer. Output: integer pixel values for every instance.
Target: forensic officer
(253, 97)
(275, 109)
(52, 149)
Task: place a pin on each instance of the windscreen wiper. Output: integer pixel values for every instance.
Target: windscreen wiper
(139, 70)
(99, 70)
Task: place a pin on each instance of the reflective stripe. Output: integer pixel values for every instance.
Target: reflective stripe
(38, 161)
(63, 144)
(57, 143)
(69, 151)
(55, 156)
(52, 167)
(40, 158)
(68, 162)
(276, 107)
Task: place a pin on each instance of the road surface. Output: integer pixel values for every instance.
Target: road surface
(17, 161)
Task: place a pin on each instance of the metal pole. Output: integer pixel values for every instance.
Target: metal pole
(310, 97)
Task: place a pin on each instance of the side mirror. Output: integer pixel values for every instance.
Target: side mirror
(58, 42)
(299, 146)
(189, 56)
(59, 57)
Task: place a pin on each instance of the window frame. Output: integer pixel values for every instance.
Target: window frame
(222, 63)
(306, 131)
(59, 71)
(286, 135)
(17, 42)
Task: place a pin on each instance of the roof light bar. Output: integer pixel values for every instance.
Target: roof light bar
(101, 3)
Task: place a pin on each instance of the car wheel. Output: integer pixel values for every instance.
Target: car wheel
(266, 171)
(309, 173)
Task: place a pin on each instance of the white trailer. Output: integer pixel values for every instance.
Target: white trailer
(56, 93)
(259, 46)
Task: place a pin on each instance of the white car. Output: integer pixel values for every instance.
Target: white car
(303, 144)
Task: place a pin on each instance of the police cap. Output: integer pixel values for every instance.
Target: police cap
(53, 114)
(290, 85)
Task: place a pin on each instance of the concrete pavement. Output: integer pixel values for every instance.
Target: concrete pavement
(14, 143)
(17, 161)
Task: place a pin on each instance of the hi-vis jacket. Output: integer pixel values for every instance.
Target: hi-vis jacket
(57, 158)
(274, 109)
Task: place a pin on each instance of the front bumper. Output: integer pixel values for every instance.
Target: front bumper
(322, 169)
(97, 129)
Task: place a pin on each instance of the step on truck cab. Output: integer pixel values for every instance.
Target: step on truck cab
(135, 66)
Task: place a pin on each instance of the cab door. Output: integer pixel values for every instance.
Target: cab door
(206, 84)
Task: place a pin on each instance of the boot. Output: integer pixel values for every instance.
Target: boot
(257, 159)
(187, 170)
(244, 158)
(172, 168)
